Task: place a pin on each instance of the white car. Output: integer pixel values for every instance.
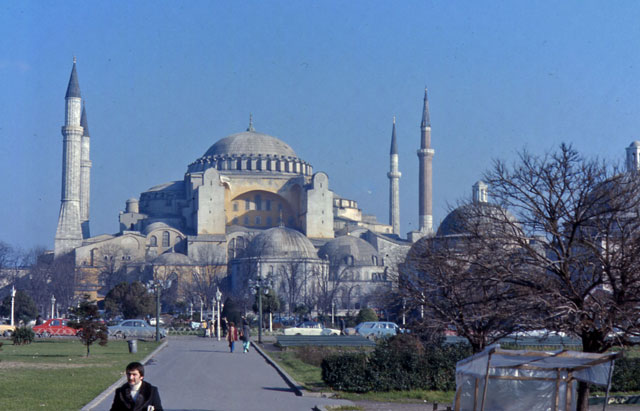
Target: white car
(310, 328)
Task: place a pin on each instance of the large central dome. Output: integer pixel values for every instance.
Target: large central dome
(250, 143)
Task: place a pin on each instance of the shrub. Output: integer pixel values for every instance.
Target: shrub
(347, 372)
(366, 314)
(23, 335)
(626, 375)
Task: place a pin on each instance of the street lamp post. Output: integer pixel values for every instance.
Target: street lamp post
(13, 298)
(53, 306)
(333, 309)
(218, 299)
(260, 311)
(191, 311)
(200, 310)
(258, 284)
(157, 287)
(404, 308)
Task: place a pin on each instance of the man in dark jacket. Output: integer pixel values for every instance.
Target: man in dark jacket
(136, 394)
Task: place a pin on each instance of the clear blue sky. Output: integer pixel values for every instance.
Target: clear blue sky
(163, 81)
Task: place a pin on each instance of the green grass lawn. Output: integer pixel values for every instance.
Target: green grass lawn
(309, 376)
(56, 374)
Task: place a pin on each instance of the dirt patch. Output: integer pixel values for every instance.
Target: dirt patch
(9, 365)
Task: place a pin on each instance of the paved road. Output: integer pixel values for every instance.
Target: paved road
(195, 373)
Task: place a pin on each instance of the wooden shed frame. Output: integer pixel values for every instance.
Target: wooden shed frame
(569, 367)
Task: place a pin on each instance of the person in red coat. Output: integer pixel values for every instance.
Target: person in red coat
(232, 335)
(136, 394)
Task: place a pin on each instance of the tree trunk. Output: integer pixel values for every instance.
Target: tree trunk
(583, 396)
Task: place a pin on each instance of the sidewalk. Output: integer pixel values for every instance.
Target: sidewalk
(195, 373)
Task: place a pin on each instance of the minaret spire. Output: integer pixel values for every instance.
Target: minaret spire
(250, 128)
(425, 156)
(69, 231)
(85, 174)
(394, 183)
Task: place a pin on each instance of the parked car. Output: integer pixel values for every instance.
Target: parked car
(135, 329)
(6, 330)
(377, 329)
(54, 326)
(310, 328)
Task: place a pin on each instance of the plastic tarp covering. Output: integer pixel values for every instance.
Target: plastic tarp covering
(514, 394)
(527, 380)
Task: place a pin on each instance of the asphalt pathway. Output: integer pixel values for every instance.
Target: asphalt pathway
(195, 373)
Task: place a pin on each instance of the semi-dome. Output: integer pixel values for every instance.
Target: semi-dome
(172, 258)
(155, 226)
(281, 242)
(349, 249)
(251, 143)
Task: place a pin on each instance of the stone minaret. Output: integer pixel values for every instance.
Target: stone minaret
(69, 232)
(633, 156)
(394, 184)
(480, 192)
(425, 154)
(85, 174)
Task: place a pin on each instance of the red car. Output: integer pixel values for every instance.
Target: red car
(54, 326)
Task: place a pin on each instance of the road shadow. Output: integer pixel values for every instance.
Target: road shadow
(281, 389)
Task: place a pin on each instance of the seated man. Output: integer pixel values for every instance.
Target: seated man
(136, 394)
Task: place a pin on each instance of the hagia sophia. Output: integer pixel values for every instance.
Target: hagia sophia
(248, 207)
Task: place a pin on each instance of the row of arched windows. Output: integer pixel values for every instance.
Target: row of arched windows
(153, 241)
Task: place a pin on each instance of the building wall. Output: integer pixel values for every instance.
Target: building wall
(317, 214)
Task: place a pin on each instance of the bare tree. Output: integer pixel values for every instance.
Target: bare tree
(461, 281)
(293, 283)
(328, 284)
(579, 220)
(209, 275)
(47, 279)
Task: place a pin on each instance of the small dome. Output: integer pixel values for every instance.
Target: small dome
(342, 248)
(251, 143)
(281, 242)
(132, 200)
(635, 144)
(481, 216)
(172, 258)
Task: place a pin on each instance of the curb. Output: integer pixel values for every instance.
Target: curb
(297, 388)
(104, 394)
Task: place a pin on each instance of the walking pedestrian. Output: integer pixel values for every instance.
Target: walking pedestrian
(246, 335)
(232, 335)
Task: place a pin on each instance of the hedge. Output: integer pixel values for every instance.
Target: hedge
(398, 363)
(403, 362)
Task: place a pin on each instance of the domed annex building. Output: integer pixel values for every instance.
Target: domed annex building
(248, 207)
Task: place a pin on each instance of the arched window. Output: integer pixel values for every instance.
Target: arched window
(374, 260)
(165, 239)
(231, 252)
(93, 256)
(154, 241)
